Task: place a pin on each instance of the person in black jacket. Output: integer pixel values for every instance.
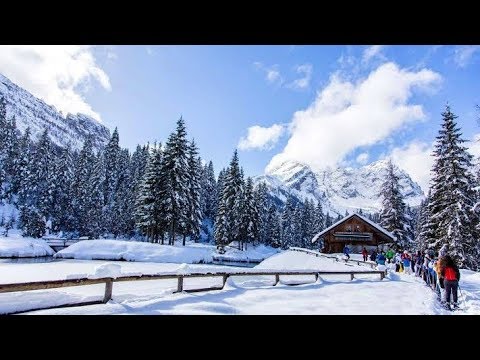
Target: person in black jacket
(451, 275)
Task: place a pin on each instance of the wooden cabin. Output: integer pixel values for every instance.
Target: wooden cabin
(356, 231)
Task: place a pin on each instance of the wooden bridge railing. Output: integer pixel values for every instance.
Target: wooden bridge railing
(108, 281)
(56, 242)
(316, 253)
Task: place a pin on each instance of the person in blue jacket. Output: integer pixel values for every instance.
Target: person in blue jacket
(346, 251)
(381, 258)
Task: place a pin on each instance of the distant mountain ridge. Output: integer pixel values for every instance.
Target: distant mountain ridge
(338, 189)
(29, 111)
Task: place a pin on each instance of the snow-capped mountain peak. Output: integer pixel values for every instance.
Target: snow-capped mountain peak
(32, 112)
(339, 188)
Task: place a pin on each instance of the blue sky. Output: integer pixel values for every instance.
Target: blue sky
(322, 105)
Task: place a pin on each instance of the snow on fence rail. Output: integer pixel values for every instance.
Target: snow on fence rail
(52, 284)
(316, 253)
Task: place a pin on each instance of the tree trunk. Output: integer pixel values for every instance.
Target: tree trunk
(163, 238)
(183, 241)
(172, 233)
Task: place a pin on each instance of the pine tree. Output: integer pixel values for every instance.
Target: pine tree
(319, 218)
(250, 215)
(262, 204)
(3, 151)
(328, 220)
(85, 170)
(21, 183)
(63, 211)
(194, 211)
(124, 198)
(424, 232)
(309, 223)
(274, 228)
(148, 215)
(452, 198)
(174, 182)
(288, 225)
(392, 216)
(220, 185)
(229, 214)
(110, 186)
(209, 191)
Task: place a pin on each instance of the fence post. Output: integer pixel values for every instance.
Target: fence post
(351, 276)
(108, 290)
(382, 275)
(225, 277)
(277, 279)
(180, 284)
(316, 277)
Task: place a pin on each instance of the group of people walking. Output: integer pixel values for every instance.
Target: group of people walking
(439, 272)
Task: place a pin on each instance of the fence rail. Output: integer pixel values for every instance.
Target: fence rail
(316, 253)
(108, 281)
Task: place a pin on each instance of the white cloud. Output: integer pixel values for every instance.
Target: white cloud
(417, 160)
(371, 52)
(261, 138)
(303, 82)
(346, 115)
(464, 54)
(272, 73)
(58, 74)
(362, 158)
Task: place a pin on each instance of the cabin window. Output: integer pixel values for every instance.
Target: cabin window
(357, 228)
(348, 228)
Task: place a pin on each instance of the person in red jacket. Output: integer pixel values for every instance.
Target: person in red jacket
(365, 254)
(451, 275)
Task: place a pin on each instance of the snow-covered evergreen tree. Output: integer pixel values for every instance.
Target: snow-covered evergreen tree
(63, 212)
(229, 214)
(309, 223)
(274, 228)
(110, 186)
(209, 191)
(319, 224)
(174, 182)
(452, 198)
(392, 215)
(328, 220)
(262, 204)
(288, 224)
(250, 213)
(85, 170)
(424, 232)
(148, 215)
(194, 211)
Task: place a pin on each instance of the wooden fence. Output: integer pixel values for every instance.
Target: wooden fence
(108, 281)
(317, 254)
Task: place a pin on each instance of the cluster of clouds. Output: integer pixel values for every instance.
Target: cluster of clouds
(58, 74)
(274, 76)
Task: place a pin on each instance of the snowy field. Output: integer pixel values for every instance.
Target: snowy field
(17, 246)
(140, 251)
(366, 294)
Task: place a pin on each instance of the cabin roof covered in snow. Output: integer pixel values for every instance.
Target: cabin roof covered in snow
(376, 226)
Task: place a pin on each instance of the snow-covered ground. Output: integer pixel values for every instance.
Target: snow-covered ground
(366, 294)
(139, 251)
(17, 246)
(135, 251)
(252, 254)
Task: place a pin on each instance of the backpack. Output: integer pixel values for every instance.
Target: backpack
(450, 274)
